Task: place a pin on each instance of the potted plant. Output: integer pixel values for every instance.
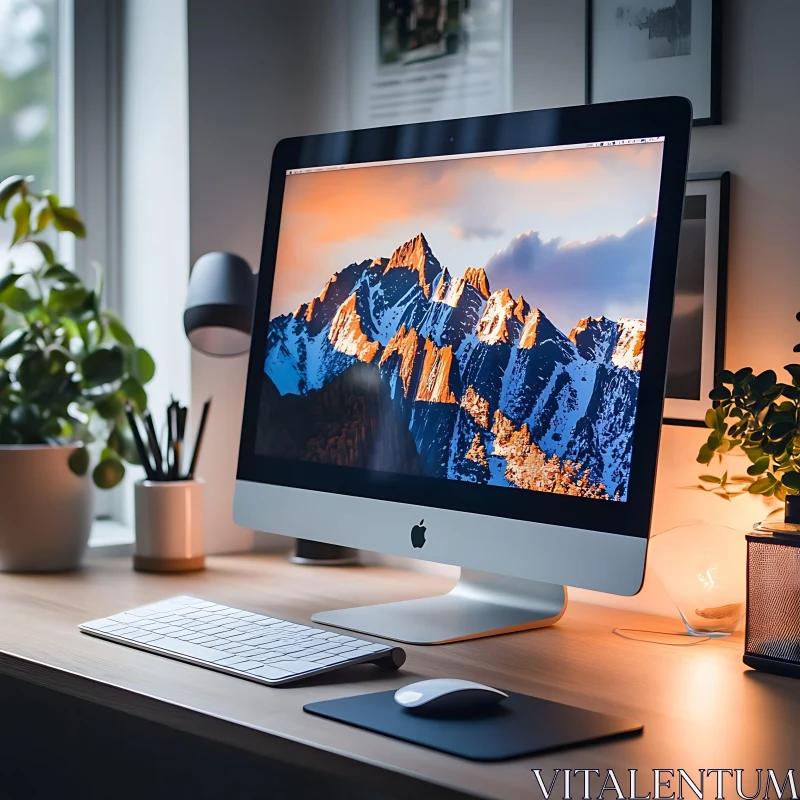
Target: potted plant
(68, 368)
(760, 416)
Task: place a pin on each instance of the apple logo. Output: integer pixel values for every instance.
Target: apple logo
(418, 534)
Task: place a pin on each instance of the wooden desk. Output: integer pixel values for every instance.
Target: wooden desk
(701, 707)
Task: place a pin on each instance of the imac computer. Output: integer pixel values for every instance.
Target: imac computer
(459, 354)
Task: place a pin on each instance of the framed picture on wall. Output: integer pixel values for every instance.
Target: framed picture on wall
(652, 48)
(697, 340)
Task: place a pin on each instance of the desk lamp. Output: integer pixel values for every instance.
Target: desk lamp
(218, 321)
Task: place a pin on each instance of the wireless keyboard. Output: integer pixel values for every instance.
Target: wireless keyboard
(253, 646)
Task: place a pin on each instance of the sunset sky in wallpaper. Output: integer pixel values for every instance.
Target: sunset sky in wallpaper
(572, 230)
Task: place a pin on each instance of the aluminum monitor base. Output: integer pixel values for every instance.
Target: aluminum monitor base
(480, 604)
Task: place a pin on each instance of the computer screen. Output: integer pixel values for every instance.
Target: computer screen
(475, 318)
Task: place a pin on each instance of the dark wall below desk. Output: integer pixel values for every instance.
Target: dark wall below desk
(54, 745)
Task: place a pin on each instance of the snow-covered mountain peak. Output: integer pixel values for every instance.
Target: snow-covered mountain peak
(521, 309)
(347, 335)
(630, 344)
(496, 322)
(442, 285)
(436, 375)
(536, 327)
(476, 276)
(416, 255)
(595, 338)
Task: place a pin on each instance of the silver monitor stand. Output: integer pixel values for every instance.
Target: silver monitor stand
(480, 604)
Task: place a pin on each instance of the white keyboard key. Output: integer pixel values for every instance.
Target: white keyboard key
(269, 672)
(234, 661)
(101, 624)
(125, 618)
(144, 638)
(244, 666)
(326, 662)
(295, 666)
(189, 649)
(373, 647)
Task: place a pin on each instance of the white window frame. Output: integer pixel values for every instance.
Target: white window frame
(88, 111)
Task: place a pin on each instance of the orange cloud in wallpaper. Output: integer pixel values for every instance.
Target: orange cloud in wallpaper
(469, 209)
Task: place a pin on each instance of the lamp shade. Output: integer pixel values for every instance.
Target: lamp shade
(218, 317)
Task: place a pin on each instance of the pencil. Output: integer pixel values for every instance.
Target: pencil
(140, 448)
(152, 437)
(198, 439)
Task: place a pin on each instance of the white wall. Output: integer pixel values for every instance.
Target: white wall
(155, 192)
(260, 71)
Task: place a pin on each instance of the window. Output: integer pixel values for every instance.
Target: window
(28, 96)
(58, 122)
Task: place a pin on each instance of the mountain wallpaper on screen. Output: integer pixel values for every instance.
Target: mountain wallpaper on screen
(398, 366)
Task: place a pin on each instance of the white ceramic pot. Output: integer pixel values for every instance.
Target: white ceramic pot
(46, 510)
(169, 526)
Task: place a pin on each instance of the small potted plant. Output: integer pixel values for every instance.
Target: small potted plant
(760, 416)
(68, 368)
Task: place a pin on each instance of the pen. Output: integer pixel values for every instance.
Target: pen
(198, 439)
(152, 437)
(140, 448)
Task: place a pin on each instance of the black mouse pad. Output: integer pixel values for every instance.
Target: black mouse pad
(519, 726)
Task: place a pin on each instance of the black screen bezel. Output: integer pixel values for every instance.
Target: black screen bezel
(669, 117)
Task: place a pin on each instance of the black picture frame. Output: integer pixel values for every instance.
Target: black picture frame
(715, 115)
(686, 404)
(660, 117)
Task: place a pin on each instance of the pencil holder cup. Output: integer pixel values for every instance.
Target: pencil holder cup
(169, 526)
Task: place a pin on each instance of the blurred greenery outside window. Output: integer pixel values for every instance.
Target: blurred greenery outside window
(28, 98)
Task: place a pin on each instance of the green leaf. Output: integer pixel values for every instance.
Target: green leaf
(103, 366)
(143, 368)
(14, 342)
(742, 374)
(791, 480)
(68, 219)
(705, 455)
(16, 298)
(759, 467)
(121, 439)
(794, 371)
(8, 188)
(45, 249)
(79, 461)
(71, 329)
(719, 393)
(771, 448)
(117, 329)
(726, 376)
(710, 479)
(763, 485)
(108, 473)
(43, 218)
(711, 418)
(9, 279)
(32, 369)
(67, 299)
(714, 440)
(779, 430)
(52, 199)
(22, 220)
(765, 380)
(60, 273)
(109, 407)
(134, 391)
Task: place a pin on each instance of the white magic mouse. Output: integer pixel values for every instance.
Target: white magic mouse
(447, 695)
